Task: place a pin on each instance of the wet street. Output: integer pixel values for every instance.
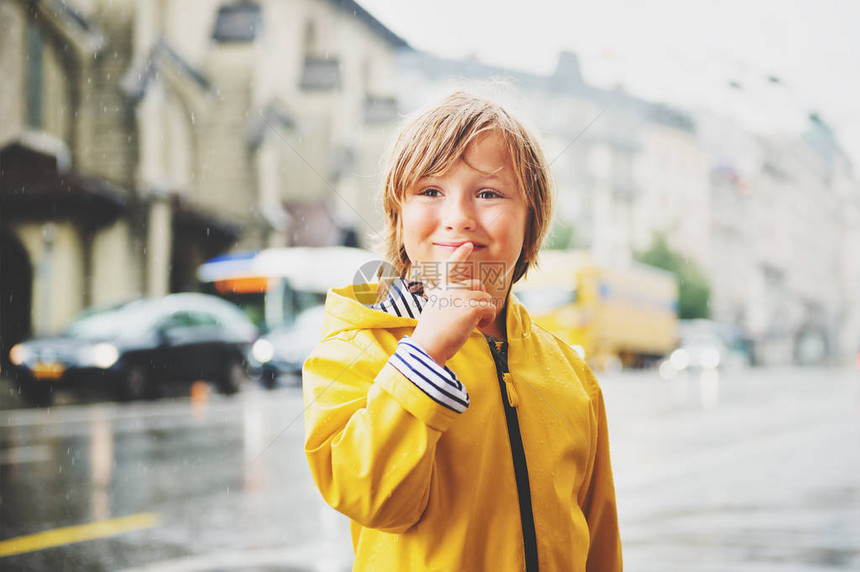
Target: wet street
(755, 470)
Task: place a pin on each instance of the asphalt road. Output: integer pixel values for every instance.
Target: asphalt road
(753, 470)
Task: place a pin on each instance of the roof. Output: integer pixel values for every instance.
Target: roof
(34, 183)
(136, 80)
(243, 22)
(565, 80)
(70, 24)
(375, 25)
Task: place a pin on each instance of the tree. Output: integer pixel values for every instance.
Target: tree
(561, 235)
(694, 293)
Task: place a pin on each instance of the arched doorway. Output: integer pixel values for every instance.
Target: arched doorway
(16, 292)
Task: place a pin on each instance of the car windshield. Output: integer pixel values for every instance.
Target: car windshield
(117, 321)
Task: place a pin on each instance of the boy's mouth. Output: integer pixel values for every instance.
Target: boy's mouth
(452, 246)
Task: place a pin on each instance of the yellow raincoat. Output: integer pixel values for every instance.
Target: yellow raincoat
(427, 488)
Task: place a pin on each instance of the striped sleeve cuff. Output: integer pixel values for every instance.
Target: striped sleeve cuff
(439, 383)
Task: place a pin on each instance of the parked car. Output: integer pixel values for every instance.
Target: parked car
(283, 290)
(134, 347)
(706, 346)
(284, 350)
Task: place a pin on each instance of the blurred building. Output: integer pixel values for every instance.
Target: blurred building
(771, 221)
(784, 257)
(138, 138)
(624, 168)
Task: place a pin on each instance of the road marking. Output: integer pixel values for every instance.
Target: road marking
(326, 556)
(70, 534)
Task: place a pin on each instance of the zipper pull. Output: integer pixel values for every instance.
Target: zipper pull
(513, 397)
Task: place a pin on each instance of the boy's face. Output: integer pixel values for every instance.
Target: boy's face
(478, 200)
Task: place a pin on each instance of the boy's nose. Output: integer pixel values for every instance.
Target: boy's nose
(458, 215)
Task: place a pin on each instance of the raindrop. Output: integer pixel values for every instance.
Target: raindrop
(193, 121)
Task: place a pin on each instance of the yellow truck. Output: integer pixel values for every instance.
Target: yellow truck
(613, 316)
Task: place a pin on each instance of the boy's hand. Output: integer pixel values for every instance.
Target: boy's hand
(454, 308)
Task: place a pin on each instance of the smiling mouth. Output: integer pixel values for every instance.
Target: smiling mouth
(455, 245)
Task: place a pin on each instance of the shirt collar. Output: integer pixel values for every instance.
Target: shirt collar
(405, 299)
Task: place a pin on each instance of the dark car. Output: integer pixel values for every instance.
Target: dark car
(133, 348)
(284, 350)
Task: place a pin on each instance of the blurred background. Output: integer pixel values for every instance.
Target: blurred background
(704, 258)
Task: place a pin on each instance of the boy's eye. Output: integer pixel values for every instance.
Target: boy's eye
(483, 194)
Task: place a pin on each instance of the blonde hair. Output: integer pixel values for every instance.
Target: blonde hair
(431, 143)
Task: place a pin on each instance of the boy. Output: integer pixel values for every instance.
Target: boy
(454, 432)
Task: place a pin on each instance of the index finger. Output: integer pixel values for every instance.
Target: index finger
(459, 255)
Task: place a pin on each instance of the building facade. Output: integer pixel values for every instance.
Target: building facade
(139, 138)
(771, 221)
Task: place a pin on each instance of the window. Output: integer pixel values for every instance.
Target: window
(238, 23)
(203, 319)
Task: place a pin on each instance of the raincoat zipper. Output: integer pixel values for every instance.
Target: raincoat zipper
(510, 400)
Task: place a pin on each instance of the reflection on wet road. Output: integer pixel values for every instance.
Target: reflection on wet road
(755, 470)
(196, 465)
(752, 470)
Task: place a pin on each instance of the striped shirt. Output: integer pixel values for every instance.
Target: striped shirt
(410, 359)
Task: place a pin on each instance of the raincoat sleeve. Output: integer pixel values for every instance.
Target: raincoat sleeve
(604, 552)
(371, 434)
